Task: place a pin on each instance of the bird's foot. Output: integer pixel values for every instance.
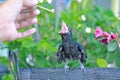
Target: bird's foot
(83, 69)
(66, 69)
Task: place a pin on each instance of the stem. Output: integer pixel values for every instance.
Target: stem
(50, 10)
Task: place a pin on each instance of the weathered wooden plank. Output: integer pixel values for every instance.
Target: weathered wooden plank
(72, 74)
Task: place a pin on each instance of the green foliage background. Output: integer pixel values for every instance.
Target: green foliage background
(44, 50)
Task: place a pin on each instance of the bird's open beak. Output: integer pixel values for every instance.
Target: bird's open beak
(64, 28)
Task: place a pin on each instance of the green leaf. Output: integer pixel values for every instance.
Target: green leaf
(117, 61)
(8, 77)
(112, 46)
(28, 44)
(110, 57)
(4, 61)
(101, 62)
(43, 45)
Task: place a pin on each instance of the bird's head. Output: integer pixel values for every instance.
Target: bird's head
(65, 30)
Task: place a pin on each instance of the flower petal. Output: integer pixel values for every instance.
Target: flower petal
(114, 36)
(98, 32)
(105, 34)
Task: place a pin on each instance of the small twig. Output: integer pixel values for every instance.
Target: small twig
(50, 10)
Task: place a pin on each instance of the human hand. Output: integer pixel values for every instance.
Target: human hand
(14, 17)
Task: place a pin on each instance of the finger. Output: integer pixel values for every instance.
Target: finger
(30, 3)
(26, 33)
(28, 15)
(28, 8)
(26, 23)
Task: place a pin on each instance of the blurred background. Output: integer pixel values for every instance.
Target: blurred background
(83, 16)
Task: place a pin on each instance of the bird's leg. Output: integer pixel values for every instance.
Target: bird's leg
(66, 66)
(82, 66)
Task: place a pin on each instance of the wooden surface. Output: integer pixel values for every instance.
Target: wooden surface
(72, 74)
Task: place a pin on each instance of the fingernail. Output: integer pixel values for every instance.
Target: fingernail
(34, 20)
(34, 29)
(37, 12)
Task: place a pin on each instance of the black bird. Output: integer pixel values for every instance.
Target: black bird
(70, 49)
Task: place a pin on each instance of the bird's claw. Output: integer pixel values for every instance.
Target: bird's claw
(66, 69)
(83, 69)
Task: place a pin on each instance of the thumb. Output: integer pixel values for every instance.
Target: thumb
(29, 3)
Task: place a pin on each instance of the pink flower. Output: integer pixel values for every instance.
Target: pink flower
(105, 40)
(114, 36)
(98, 32)
(105, 34)
(108, 39)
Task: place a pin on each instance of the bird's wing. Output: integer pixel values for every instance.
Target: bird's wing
(60, 49)
(83, 52)
(61, 54)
